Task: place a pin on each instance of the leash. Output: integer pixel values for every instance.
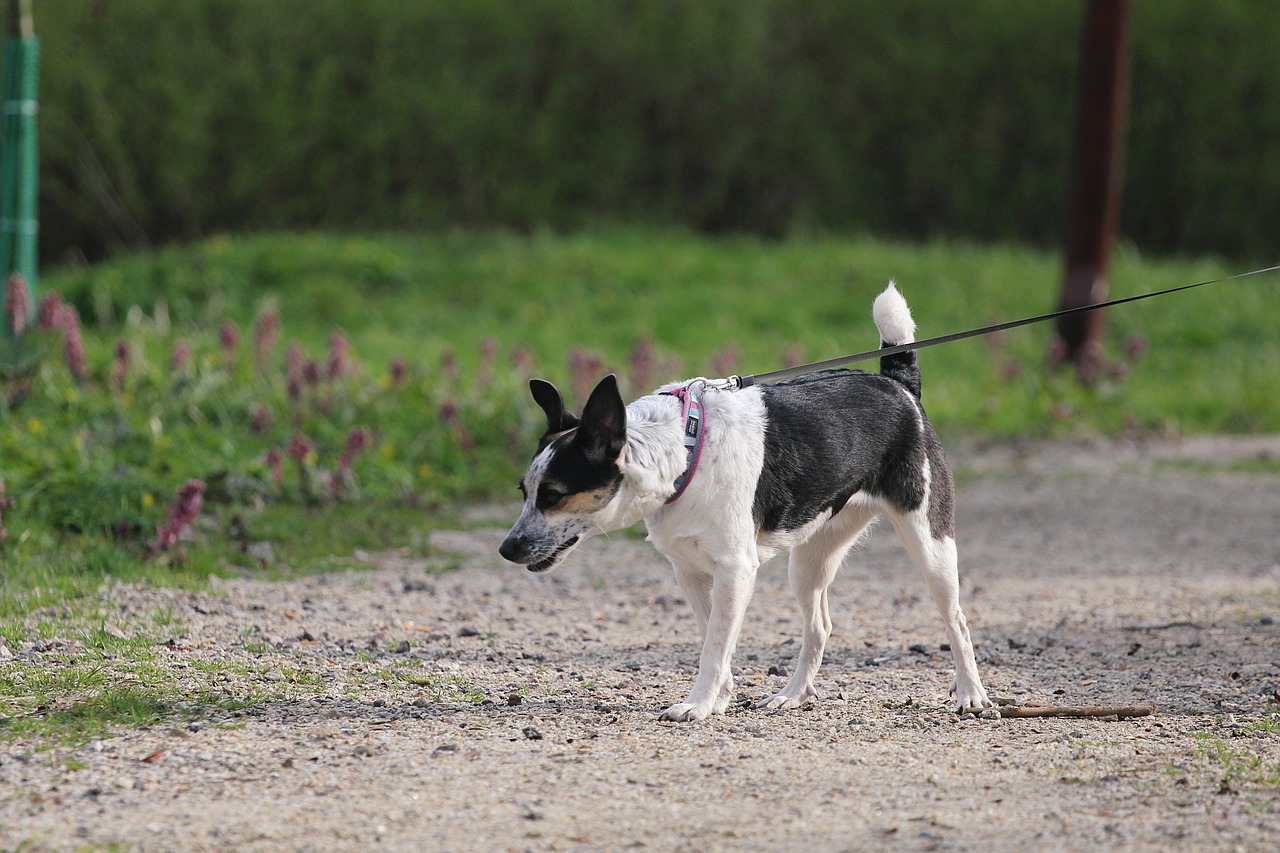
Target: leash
(736, 382)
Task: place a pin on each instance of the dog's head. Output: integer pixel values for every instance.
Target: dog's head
(573, 479)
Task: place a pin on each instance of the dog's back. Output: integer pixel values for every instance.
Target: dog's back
(838, 433)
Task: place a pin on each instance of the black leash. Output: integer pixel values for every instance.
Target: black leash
(800, 370)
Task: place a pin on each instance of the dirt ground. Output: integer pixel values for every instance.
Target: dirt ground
(459, 703)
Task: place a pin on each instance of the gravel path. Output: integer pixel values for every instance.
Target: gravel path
(419, 706)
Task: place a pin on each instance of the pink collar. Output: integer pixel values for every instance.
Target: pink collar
(693, 415)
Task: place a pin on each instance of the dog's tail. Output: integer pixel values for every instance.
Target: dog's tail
(893, 320)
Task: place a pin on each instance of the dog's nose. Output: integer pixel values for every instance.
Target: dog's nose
(511, 549)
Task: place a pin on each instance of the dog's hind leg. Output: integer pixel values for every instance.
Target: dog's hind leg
(936, 559)
(812, 568)
(732, 583)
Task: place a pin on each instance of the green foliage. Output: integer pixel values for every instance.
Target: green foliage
(444, 331)
(165, 121)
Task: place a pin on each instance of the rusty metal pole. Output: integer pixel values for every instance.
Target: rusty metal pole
(1099, 170)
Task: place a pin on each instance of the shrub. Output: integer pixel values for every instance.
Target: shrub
(917, 118)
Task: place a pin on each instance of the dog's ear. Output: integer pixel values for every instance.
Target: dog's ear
(548, 397)
(603, 430)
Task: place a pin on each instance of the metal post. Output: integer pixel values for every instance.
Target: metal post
(18, 152)
(1099, 169)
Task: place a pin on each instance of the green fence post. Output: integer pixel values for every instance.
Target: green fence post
(19, 156)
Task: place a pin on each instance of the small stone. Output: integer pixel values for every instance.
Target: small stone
(274, 675)
(514, 699)
(468, 631)
(967, 716)
(444, 749)
(401, 647)
(531, 733)
(777, 669)
(989, 714)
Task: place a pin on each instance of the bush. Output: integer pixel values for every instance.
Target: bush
(167, 121)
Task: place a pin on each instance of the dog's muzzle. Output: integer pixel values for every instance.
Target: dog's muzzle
(516, 550)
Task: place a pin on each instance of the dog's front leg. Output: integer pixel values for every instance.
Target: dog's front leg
(730, 592)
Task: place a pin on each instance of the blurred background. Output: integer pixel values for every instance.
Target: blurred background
(307, 253)
(914, 119)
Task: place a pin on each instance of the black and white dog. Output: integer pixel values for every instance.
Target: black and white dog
(726, 479)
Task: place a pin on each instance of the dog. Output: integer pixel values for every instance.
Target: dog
(725, 479)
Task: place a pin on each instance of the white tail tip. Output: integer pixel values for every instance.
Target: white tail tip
(893, 317)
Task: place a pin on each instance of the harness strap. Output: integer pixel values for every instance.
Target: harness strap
(694, 417)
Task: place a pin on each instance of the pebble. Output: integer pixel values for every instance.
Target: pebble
(989, 714)
(531, 733)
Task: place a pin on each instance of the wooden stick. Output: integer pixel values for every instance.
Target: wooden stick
(1077, 710)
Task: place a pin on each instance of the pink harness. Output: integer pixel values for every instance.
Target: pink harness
(693, 415)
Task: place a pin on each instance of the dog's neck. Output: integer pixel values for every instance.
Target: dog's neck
(653, 457)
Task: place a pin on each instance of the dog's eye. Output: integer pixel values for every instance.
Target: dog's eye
(551, 495)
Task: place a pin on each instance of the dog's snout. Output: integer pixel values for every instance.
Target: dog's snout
(512, 549)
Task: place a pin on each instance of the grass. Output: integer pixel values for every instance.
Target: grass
(1205, 367)
(434, 337)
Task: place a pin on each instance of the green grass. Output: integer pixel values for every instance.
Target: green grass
(1206, 367)
(1239, 764)
(91, 467)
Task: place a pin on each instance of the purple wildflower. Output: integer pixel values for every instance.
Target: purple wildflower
(229, 337)
(522, 360)
(358, 439)
(339, 356)
(266, 333)
(180, 358)
(73, 343)
(294, 359)
(449, 366)
(725, 361)
(1134, 348)
(260, 419)
(398, 371)
(311, 372)
(585, 367)
(299, 447)
(5, 503)
(17, 303)
(184, 510)
(484, 370)
(274, 460)
(644, 364)
(449, 414)
(47, 312)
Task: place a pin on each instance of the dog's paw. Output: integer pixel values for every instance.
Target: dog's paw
(686, 712)
(971, 698)
(785, 700)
